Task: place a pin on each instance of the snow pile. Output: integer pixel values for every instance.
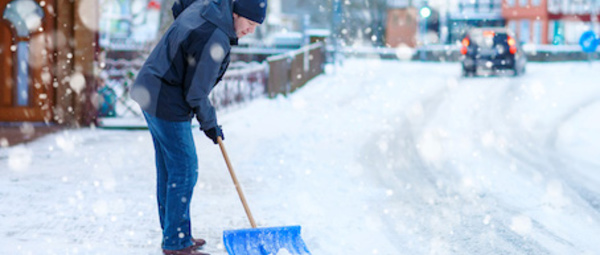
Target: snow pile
(380, 157)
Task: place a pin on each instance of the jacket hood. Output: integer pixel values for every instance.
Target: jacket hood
(218, 12)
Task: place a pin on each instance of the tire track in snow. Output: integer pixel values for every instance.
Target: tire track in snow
(452, 228)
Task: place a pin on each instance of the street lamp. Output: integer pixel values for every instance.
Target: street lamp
(425, 12)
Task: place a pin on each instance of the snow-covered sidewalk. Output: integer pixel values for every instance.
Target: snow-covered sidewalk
(380, 157)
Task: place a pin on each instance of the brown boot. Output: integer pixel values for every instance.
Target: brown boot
(185, 251)
(198, 242)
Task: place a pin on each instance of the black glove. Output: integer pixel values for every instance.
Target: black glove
(213, 133)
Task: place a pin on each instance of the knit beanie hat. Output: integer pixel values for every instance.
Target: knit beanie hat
(254, 10)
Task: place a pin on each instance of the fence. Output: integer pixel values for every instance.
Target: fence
(116, 79)
(290, 71)
(241, 83)
(280, 74)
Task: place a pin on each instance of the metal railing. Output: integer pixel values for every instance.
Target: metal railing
(280, 74)
(241, 83)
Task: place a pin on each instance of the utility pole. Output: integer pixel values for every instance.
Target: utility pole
(336, 19)
(424, 13)
(594, 15)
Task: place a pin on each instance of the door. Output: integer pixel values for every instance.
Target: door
(26, 77)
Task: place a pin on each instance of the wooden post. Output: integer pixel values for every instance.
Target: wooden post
(63, 46)
(85, 51)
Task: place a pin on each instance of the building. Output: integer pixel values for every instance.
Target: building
(401, 27)
(473, 13)
(128, 24)
(550, 21)
(47, 52)
(403, 23)
(447, 23)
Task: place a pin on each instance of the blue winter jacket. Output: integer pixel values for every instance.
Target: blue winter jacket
(189, 60)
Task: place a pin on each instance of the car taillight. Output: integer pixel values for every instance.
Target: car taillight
(512, 45)
(465, 44)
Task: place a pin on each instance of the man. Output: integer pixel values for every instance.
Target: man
(173, 86)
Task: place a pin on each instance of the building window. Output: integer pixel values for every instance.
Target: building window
(512, 26)
(572, 30)
(551, 25)
(537, 32)
(523, 2)
(535, 2)
(26, 17)
(524, 33)
(554, 6)
(510, 2)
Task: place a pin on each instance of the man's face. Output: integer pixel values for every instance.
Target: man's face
(243, 26)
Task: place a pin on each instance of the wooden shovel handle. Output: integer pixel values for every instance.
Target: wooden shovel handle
(237, 184)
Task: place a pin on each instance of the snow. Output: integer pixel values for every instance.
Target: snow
(380, 157)
(318, 32)
(77, 82)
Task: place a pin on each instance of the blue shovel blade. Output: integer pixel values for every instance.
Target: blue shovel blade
(265, 241)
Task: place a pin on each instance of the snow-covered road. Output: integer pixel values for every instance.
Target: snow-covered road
(379, 157)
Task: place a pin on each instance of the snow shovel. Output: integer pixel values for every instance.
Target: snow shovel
(260, 241)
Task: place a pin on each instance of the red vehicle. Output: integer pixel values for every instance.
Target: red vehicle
(491, 49)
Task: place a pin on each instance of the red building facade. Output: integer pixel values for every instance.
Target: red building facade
(550, 21)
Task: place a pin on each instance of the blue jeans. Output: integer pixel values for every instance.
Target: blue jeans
(177, 173)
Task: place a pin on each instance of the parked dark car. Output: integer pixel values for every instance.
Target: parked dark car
(492, 49)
